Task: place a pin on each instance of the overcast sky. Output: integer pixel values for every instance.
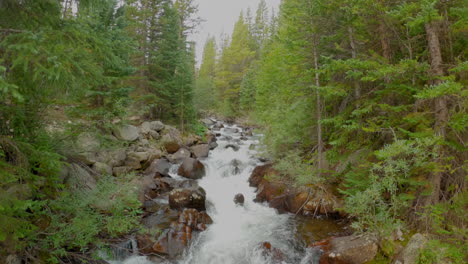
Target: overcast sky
(220, 16)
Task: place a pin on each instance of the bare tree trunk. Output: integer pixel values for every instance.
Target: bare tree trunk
(384, 41)
(440, 103)
(319, 114)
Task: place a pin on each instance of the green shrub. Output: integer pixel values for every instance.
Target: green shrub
(82, 218)
(381, 197)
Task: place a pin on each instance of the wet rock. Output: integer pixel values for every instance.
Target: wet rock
(195, 219)
(192, 169)
(274, 254)
(349, 249)
(201, 151)
(218, 126)
(323, 202)
(160, 220)
(226, 138)
(232, 130)
(410, 254)
(232, 146)
(171, 140)
(175, 241)
(236, 166)
(159, 168)
(127, 133)
(187, 198)
(259, 172)
(267, 191)
(239, 199)
(180, 155)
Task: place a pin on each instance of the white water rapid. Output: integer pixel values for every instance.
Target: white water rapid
(238, 231)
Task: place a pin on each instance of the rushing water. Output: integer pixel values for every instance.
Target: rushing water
(238, 231)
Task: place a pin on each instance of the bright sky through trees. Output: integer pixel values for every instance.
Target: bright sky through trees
(220, 17)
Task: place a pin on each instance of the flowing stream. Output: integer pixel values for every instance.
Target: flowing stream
(238, 231)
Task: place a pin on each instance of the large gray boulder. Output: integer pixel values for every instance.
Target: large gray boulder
(127, 132)
(207, 122)
(350, 249)
(87, 142)
(191, 169)
(188, 198)
(410, 254)
(201, 151)
(102, 168)
(171, 140)
(159, 168)
(180, 155)
(80, 178)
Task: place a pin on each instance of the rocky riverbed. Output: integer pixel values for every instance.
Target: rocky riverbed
(212, 199)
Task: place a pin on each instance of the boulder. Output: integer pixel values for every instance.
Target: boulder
(191, 140)
(236, 166)
(180, 155)
(348, 250)
(113, 158)
(259, 172)
(102, 168)
(159, 168)
(231, 130)
(174, 242)
(239, 199)
(157, 126)
(136, 159)
(145, 128)
(87, 142)
(171, 140)
(274, 254)
(119, 171)
(410, 254)
(127, 132)
(195, 219)
(267, 191)
(80, 178)
(187, 198)
(232, 146)
(192, 169)
(200, 151)
(207, 122)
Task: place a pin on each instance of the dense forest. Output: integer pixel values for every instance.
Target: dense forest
(368, 97)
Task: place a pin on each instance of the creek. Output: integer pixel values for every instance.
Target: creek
(238, 231)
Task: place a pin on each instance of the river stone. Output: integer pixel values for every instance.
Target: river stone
(159, 168)
(201, 151)
(207, 122)
(187, 198)
(171, 140)
(350, 249)
(192, 169)
(232, 130)
(410, 254)
(239, 199)
(127, 133)
(157, 126)
(232, 146)
(119, 171)
(180, 155)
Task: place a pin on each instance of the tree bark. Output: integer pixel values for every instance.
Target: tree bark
(440, 103)
(318, 114)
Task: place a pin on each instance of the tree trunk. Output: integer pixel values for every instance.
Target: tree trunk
(440, 103)
(384, 41)
(319, 114)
